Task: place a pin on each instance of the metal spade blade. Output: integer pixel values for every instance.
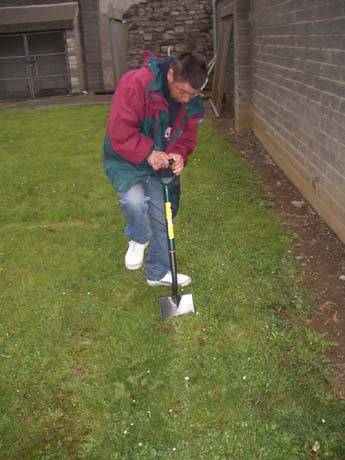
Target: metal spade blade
(176, 305)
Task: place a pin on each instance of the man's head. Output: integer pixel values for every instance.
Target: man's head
(186, 76)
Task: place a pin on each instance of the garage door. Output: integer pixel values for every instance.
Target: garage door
(33, 65)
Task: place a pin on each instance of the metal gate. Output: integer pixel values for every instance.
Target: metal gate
(33, 65)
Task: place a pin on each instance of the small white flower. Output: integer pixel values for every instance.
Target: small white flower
(170, 411)
(64, 293)
(186, 378)
(88, 293)
(140, 444)
(148, 371)
(244, 377)
(132, 424)
(174, 449)
(149, 413)
(125, 432)
(323, 420)
(133, 400)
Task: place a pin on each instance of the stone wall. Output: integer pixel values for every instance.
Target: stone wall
(298, 96)
(156, 25)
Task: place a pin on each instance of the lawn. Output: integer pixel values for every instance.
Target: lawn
(89, 370)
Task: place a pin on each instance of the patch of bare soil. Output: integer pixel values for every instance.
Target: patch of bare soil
(319, 252)
(73, 223)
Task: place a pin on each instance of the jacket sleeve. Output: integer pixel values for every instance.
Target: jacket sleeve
(186, 143)
(127, 112)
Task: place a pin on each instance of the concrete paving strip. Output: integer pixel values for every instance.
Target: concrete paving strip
(58, 101)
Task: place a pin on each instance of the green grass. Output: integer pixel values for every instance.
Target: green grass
(89, 371)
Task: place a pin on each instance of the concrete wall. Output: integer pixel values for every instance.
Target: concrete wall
(238, 77)
(113, 40)
(298, 96)
(106, 54)
(243, 65)
(83, 43)
(218, 9)
(71, 27)
(4, 3)
(89, 15)
(75, 57)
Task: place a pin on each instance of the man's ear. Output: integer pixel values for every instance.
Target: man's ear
(170, 75)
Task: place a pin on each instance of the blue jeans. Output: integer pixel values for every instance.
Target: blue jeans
(143, 208)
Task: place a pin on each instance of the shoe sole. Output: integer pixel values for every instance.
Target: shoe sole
(133, 267)
(159, 283)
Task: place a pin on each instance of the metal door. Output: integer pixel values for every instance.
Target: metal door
(33, 65)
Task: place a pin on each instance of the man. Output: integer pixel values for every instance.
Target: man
(154, 118)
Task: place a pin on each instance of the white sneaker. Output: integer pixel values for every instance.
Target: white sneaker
(135, 255)
(182, 280)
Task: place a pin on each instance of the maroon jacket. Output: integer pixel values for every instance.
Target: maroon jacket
(137, 125)
(138, 99)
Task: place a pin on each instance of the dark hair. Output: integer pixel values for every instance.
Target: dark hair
(190, 68)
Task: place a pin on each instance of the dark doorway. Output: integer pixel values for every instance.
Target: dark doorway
(33, 65)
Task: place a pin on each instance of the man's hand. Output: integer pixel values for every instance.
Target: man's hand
(158, 160)
(178, 164)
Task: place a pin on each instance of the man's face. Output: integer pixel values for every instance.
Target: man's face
(180, 91)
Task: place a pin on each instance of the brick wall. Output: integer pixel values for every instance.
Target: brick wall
(155, 25)
(298, 96)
